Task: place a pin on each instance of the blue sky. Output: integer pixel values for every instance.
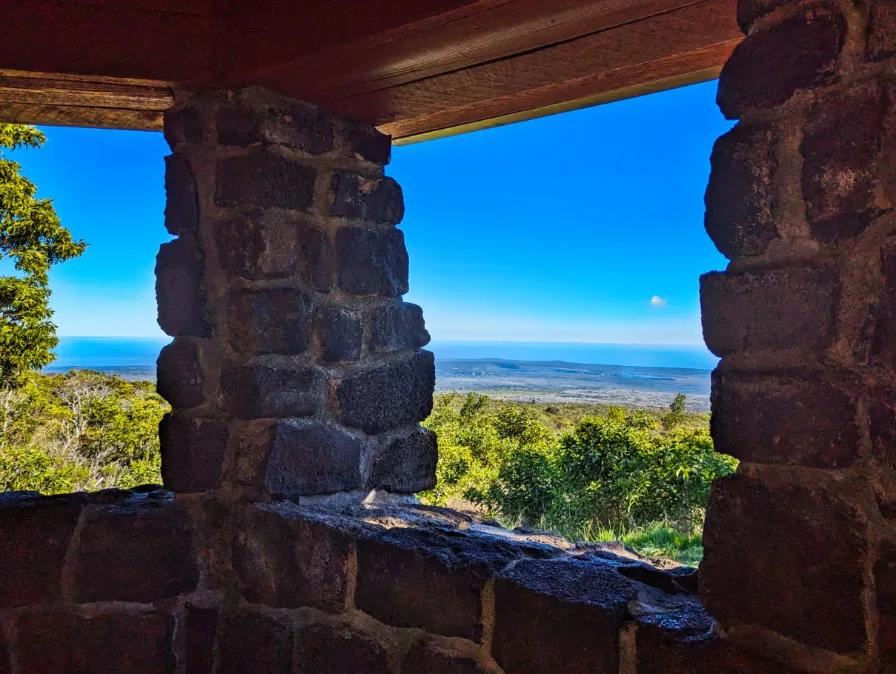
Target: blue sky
(581, 227)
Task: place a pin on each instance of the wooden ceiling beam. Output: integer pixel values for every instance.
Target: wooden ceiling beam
(119, 39)
(201, 7)
(86, 117)
(72, 100)
(486, 31)
(675, 47)
(642, 79)
(423, 70)
(264, 33)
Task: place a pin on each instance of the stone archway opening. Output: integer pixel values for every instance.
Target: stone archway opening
(222, 573)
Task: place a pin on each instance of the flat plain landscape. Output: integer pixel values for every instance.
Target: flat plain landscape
(559, 381)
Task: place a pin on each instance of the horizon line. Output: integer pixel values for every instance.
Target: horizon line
(436, 340)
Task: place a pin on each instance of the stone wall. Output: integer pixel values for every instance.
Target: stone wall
(149, 581)
(296, 369)
(801, 543)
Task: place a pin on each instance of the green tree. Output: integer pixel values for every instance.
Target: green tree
(676, 412)
(81, 430)
(32, 236)
(622, 473)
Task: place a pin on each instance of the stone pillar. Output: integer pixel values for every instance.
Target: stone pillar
(799, 544)
(296, 368)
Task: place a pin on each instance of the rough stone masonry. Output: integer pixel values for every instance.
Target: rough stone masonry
(800, 544)
(296, 369)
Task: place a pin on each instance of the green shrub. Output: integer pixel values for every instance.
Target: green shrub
(525, 486)
(624, 471)
(31, 469)
(81, 430)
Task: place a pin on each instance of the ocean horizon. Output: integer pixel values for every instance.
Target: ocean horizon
(632, 374)
(93, 352)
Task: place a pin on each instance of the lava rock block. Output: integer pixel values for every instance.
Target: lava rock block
(840, 150)
(755, 542)
(388, 396)
(271, 320)
(193, 451)
(38, 531)
(575, 606)
(308, 458)
(877, 343)
(5, 664)
(182, 125)
(885, 586)
(317, 259)
(285, 558)
(397, 327)
(740, 194)
(264, 179)
(356, 197)
(340, 333)
(256, 391)
(181, 204)
(260, 116)
(767, 68)
(336, 649)
(804, 419)
(253, 642)
(181, 297)
(882, 423)
(398, 570)
(404, 463)
(368, 143)
(201, 627)
(371, 262)
(138, 551)
(259, 245)
(666, 652)
(768, 309)
(180, 379)
(882, 31)
(58, 640)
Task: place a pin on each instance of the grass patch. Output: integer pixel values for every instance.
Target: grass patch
(659, 540)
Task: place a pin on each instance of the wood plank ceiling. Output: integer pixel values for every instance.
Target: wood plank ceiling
(416, 69)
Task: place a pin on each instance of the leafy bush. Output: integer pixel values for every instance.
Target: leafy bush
(81, 430)
(621, 472)
(31, 469)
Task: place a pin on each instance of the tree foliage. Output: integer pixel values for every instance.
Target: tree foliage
(621, 471)
(80, 430)
(33, 238)
(676, 413)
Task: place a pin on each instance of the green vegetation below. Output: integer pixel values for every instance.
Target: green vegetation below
(660, 540)
(79, 431)
(589, 472)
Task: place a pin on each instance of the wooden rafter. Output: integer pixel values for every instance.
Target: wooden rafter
(662, 51)
(72, 100)
(416, 69)
(480, 33)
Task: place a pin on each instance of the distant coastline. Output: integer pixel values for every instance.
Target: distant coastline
(636, 375)
(561, 381)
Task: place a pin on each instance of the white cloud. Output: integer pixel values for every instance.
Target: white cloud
(657, 301)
